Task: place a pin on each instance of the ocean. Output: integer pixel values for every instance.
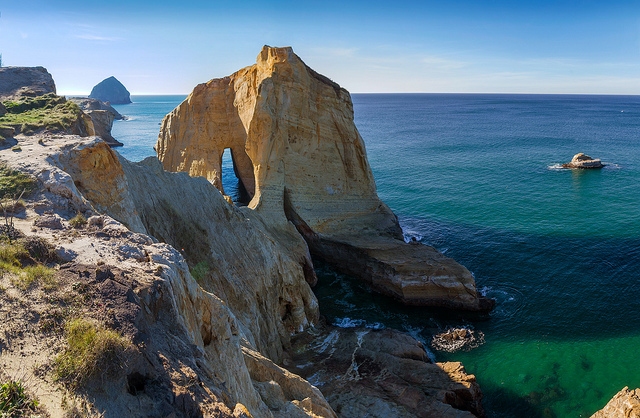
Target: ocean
(478, 176)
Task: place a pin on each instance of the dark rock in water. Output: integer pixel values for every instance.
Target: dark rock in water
(382, 373)
(111, 90)
(3, 110)
(20, 82)
(583, 161)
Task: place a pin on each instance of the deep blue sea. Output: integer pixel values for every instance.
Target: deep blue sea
(478, 176)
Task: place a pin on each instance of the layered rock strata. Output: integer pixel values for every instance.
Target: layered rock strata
(296, 150)
(19, 82)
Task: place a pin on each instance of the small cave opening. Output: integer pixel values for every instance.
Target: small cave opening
(136, 383)
(231, 183)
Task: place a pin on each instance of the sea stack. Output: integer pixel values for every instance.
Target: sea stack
(298, 153)
(583, 161)
(111, 90)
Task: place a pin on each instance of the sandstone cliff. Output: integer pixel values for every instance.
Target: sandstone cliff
(19, 82)
(299, 155)
(625, 403)
(194, 352)
(111, 90)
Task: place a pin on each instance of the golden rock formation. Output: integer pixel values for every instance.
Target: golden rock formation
(298, 153)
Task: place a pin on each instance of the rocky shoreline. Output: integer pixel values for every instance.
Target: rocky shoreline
(212, 304)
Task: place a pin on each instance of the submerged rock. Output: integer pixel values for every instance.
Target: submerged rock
(299, 155)
(583, 161)
(383, 373)
(111, 90)
(625, 403)
(20, 82)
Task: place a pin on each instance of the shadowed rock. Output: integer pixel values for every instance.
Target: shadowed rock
(111, 90)
(20, 82)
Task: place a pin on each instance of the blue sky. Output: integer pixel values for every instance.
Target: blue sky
(454, 46)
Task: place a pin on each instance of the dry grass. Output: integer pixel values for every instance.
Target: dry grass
(91, 349)
(78, 221)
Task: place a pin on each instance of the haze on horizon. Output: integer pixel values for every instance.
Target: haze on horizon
(162, 47)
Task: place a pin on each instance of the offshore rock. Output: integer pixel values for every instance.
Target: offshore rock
(583, 161)
(19, 82)
(625, 403)
(297, 151)
(111, 90)
(383, 373)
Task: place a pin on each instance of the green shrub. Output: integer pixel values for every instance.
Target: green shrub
(14, 402)
(200, 270)
(90, 349)
(78, 221)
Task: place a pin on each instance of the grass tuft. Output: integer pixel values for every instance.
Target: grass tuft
(78, 221)
(90, 349)
(14, 402)
(50, 112)
(13, 182)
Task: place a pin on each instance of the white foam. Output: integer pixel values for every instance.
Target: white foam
(353, 323)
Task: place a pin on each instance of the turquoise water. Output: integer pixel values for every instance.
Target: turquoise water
(139, 132)
(478, 177)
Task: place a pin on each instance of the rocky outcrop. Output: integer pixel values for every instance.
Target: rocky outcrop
(296, 150)
(102, 115)
(583, 161)
(625, 403)
(111, 90)
(88, 104)
(196, 353)
(19, 82)
(383, 373)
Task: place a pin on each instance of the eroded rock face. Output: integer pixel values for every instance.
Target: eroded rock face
(298, 153)
(625, 403)
(19, 82)
(102, 115)
(111, 90)
(583, 161)
(193, 355)
(383, 373)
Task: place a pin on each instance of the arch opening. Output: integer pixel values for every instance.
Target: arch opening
(231, 183)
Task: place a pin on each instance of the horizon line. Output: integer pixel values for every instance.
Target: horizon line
(75, 94)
